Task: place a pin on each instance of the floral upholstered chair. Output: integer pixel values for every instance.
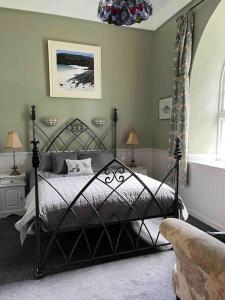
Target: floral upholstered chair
(199, 273)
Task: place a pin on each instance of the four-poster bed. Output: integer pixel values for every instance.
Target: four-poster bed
(112, 197)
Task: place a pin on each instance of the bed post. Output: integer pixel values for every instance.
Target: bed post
(35, 163)
(177, 157)
(115, 119)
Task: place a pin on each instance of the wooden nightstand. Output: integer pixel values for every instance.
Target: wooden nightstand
(140, 169)
(12, 195)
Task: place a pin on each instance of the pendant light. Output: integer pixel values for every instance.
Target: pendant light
(124, 12)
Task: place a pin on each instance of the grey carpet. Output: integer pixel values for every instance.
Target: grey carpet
(144, 277)
(139, 278)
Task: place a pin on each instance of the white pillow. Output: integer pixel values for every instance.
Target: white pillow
(79, 167)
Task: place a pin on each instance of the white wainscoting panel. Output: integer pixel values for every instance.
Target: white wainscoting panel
(143, 157)
(205, 194)
(159, 164)
(23, 161)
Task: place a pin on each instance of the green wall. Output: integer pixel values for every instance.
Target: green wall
(127, 56)
(205, 85)
(137, 70)
(164, 39)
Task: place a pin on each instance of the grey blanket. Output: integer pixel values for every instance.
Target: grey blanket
(120, 199)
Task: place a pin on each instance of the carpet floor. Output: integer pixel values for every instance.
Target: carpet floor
(143, 277)
(140, 278)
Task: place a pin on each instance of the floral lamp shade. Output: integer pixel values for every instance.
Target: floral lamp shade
(124, 12)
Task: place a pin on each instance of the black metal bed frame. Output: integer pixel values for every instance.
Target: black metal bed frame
(114, 172)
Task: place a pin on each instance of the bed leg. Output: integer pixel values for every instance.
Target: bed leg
(39, 274)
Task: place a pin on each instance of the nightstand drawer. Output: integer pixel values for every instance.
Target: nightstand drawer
(8, 180)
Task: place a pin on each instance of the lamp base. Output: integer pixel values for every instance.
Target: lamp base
(132, 164)
(14, 172)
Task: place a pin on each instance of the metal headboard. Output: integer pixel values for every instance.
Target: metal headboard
(76, 135)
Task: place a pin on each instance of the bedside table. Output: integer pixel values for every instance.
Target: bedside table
(140, 169)
(12, 194)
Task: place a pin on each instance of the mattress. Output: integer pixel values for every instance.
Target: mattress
(112, 196)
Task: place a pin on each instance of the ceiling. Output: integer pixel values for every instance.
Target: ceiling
(87, 9)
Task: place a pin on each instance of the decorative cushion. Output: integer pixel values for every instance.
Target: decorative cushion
(79, 167)
(59, 161)
(99, 158)
(45, 161)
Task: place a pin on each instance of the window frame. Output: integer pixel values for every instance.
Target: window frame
(221, 118)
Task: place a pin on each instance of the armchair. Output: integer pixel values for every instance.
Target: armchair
(199, 273)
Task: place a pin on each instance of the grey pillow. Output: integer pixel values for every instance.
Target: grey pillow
(31, 178)
(59, 161)
(45, 161)
(47, 175)
(99, 158)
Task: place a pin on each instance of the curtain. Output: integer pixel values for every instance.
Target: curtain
(179, 123)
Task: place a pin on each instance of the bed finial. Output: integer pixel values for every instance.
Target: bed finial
(33, 112)
(178, 151)
(115, 117)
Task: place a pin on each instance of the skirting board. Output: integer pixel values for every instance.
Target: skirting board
(205, 220)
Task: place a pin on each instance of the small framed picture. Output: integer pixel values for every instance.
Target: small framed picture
(165, 108)
(74, 70)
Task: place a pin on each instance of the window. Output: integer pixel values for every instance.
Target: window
(221, 120)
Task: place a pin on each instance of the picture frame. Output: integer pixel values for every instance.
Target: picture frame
(165, 108)
(74, 70)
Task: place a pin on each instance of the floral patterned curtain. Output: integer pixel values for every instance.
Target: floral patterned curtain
(179, 123)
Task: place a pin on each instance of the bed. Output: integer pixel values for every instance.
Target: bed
(107, 195)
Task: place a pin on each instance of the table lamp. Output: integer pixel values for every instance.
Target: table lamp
(132, 140)
(13, 142)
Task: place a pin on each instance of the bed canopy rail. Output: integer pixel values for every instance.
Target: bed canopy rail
(111, 177)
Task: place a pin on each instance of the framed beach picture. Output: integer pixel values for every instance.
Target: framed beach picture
(165, 108)
(74, 70)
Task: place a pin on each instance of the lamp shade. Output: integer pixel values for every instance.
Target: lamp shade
(133, 139)
(13, 141)
(124, 12)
